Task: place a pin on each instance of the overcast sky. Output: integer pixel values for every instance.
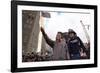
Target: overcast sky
(63, 21)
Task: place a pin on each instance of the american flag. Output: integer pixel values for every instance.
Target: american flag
(46, 14)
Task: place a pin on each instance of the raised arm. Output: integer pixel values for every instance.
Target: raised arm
(48, 40)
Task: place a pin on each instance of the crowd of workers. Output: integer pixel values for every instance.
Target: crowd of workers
(67, 46)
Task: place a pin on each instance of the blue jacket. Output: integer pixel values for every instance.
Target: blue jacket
(75, 45)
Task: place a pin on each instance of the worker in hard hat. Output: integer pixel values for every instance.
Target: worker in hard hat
(75, 45)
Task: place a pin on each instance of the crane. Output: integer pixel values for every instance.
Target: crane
(87, 35)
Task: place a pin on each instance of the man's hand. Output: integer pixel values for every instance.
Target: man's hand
(42, 30)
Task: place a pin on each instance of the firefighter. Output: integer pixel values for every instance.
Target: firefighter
(75, 45)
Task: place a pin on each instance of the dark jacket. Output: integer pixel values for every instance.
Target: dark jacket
(48, 40)
(75, 45)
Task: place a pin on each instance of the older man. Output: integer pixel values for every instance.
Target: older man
(75, 45)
